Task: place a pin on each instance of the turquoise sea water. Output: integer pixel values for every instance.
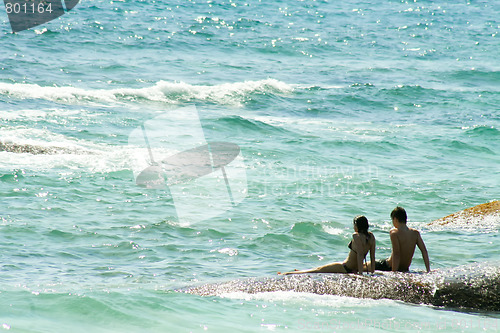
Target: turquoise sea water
(339, 109)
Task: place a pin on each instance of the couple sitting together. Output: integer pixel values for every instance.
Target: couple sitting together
(403, 239)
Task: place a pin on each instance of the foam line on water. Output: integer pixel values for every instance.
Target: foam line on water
(233, 93)
(294, 297)
(41, 149)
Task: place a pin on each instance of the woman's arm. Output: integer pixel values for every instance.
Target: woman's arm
(360, 263)
(372, 255)
(358, 249)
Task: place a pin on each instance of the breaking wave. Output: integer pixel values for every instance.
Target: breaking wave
(166, 92)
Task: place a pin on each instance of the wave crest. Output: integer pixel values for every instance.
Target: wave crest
(166, 92)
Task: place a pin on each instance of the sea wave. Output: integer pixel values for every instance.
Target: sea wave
(234, 93)
(246, 126)
(474, 75)
(482, 131)
(41, 149)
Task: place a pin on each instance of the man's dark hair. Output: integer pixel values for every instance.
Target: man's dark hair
(400, 214)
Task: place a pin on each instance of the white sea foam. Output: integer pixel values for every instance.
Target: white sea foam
(365, 131)
(49, 115)
(227, 250)
(317, 86)
(302, 298)
(64, 94)
(167, 92)
(53, 150)
(333, 231)
(23, 114)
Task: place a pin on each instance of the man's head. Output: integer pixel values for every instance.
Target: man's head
(399, 214)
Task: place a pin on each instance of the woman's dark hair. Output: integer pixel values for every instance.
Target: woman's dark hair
(361, 223)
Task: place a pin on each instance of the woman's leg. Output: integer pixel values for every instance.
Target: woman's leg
(336, 267)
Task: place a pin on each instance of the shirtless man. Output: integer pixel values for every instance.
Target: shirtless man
(404, 240)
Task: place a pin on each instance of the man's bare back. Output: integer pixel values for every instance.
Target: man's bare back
(404, 240)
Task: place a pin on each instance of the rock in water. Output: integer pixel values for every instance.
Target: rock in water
(36, 149)
(483, 214)
(475, 286)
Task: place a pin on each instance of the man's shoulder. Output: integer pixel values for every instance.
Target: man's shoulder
(415, 231)
(395, 232)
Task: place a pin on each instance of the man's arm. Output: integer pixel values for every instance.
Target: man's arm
(423, 249)
(396, 252)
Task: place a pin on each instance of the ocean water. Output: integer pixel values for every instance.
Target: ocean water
(338, 109)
